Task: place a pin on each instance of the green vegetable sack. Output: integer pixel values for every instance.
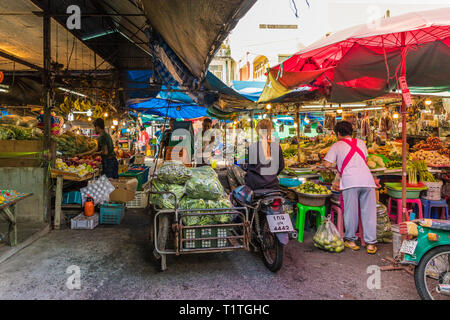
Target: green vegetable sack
(174, 172)
(204, 184)
(165, 201)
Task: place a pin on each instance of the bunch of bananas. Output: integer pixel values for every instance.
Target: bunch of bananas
(82, 106)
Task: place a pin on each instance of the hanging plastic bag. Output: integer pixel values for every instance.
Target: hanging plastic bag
(328, 238)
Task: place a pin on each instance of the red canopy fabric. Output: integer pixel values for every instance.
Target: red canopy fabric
(363, 62)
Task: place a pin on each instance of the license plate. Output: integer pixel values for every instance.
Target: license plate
(280, 223)
(408, 247)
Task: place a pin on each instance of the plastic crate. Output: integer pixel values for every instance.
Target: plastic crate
(141, 168)
(139, 175)
(198, 233)
(140, 200)
(83, 222)
(73, 197)
(112, 213)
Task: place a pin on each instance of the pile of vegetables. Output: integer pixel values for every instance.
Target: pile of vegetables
(432, 158)
(166, 201)
(375, 162)
(204, 184)
(424, 174)
(13, 132)
(394, 164)
(312, 188)
(70, 144)
(196, 188)
(174, 172)
(189, 204)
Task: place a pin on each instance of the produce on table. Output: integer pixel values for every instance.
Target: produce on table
(375, 162)
(312, 188)
(424, 174)
(80, 170)
(432, 143)
(122, 154)
(174, 172)
(204, 184)
(70, 144)
(13, 132)
(166, 201)
(328, 238)
(327, 176)
(411, 169)
(432, 158)
(290, 152)
(394, 164)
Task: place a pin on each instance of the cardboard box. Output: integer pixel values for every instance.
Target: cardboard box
(139, 159)
(125, 189)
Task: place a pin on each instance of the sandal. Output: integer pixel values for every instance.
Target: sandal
(351, 245)
(371, 251)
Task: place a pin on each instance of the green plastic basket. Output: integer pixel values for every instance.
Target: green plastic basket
(394, 189)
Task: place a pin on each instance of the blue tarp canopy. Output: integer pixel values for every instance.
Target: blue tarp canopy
(170, 109)
(249, 89)
(139, 79)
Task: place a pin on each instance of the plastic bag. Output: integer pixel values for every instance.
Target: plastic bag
(165, 201)
(384, 227)
(174, 172)
(328, 238)
(204, 184)
(189, 204)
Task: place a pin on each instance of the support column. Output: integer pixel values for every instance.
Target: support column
(47, 102)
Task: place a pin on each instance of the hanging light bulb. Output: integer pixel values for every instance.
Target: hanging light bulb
(428, 102)
(268, 107)
(113, 127)
(295, 125)
(70, 117)
(106, 114)
(339, 110)
(89, 119)
(115, 122)
(395, 115)
(89, 113)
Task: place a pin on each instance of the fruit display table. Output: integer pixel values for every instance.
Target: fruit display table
(7, 211)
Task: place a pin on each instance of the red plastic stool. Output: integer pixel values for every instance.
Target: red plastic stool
(340, 218)
(360, 232)
(399, 215)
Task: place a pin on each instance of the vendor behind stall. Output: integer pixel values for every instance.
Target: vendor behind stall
(357, 186)
(106, 150)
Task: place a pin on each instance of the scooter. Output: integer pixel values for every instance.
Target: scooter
(428, 248)
(271, 229)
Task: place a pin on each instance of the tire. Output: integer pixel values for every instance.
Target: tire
(419, 272)
(272, 260)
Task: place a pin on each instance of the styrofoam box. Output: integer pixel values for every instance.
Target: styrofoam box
(83, 222)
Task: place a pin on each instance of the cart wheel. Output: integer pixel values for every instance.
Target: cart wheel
(163, 234)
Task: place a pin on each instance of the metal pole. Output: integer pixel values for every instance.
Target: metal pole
(47, 100)
(404, 114)
(252, 125)
(297, 119)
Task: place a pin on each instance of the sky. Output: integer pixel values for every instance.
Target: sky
(314, 21)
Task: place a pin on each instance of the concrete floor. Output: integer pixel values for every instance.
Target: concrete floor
(116, 263)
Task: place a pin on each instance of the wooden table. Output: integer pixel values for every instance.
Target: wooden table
(7, 211)
(60, 177)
